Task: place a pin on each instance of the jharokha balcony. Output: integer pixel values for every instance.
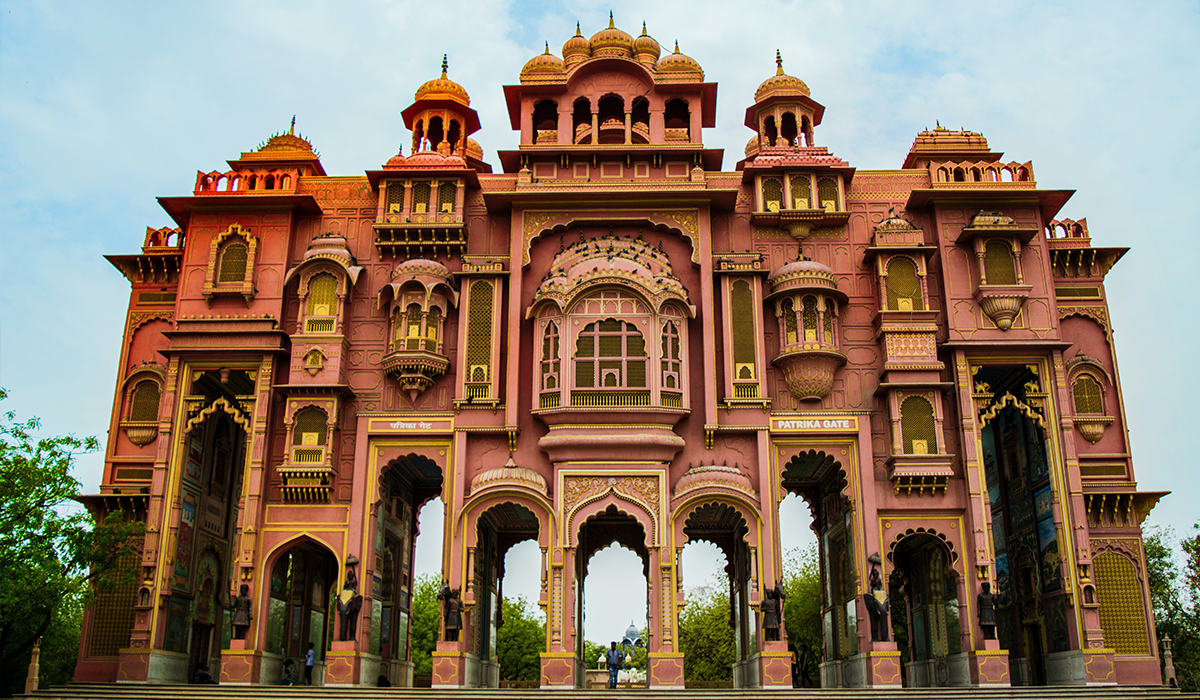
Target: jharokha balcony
(807, 302)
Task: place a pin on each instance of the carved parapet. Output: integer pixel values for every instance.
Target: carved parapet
(809, 372)
(919, 472)
(1002, 302)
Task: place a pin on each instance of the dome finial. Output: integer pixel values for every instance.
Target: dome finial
(778, 63)
(292, 128)
(676, 46)
(577, 32)
(644, 28)
(547, 48)
(610, 20)
(444, 65)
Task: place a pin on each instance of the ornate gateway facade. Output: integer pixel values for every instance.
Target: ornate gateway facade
(616, 340)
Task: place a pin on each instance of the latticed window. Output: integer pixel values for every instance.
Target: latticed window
(610, 354)
(772, 194)
(395, 198)
(670, 356)
(827, 193)
(113, 619)
(742, 310)
(322, 295)
(144, 406)
(412, 328)
(1122, 608)
(810, 319)
(550, 357)
(233, 261)
(479, 333)
(447, 194)
(432, 321)
(917, 426)
(801, 192)
(311, 427)
(903, 286)
(999, 264)
(1088, 397)
(420, 197)
(789, 321)
(828, 320)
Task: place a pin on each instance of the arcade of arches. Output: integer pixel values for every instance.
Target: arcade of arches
(618, 336)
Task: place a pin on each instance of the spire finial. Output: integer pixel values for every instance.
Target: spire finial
(292, 129)
(547, 48)
(778, 63)
(676, 46)
(444, 65)
(610, 20)
(643, 27)
(577, 32)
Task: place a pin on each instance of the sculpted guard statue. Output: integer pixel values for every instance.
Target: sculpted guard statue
(877, 603)
(451, 611)
(242, 614)
(349, 603)
(772, 610)
(986, 604)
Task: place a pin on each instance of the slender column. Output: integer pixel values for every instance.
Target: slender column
(628, 128)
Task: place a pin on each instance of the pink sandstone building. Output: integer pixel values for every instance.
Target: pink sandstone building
(615, 340)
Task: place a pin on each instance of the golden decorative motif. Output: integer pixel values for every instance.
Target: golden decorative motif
(535, 223)
(641, 490)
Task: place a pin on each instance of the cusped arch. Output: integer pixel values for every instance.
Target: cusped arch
(224, 406)
(744, 507)
(598, 503)
(683, 222)
(909, 533)
(477, 506)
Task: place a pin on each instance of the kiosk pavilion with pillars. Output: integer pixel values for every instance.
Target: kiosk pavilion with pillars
(615, 340)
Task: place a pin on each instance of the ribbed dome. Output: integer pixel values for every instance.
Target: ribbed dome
(612, 41)
(752, 146)
(511, 474)
(780, 84)
(804, 274)
(443, 88)
(679, 66)
(645, 48)
(474, 150)
(545, 64)
(421, 266)
(577, 48)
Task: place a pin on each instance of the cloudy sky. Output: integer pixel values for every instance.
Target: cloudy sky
(104, 106)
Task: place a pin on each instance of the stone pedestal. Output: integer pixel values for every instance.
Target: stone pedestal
(775, 666)
(989, 665)
(558, 669)
(449, 666)
(665, 671)
(883, 665)
(1099, 666)
(239, 665)
(343, 664)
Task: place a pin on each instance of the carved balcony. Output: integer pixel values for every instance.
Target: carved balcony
(414, 370)
(1002, 302)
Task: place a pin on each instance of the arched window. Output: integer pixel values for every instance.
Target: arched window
(610, 354)
(789, 322)
(903, 286)
(420, 203)
(742, 310)
(801, 192)
(412, 328)
(479, 333)
(581, 120)
(321, 305)
(1122, 608)
(670, 356)
(772, 194)
(436, 132)
(144, 403)
(432, 322)
(810, 319)
(233, 261)
(640, 115)
(999, 264)
(770, 131)
(830, 312)
(1089, 400)
(787, 128)
(545, 121)
(917, 426)
(311, 427)
(827, 193)
(454, 135)
(550, 357)
(677, 120)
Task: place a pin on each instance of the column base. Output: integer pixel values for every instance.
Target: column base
(665, 671)
(989, 666)
(239, 665)
(558, 669)
(151, 666)
(449, 666)
(1100, 666)
(343, 665)
(775, 667)
(882, 666)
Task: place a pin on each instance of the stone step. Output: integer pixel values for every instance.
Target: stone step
(258, 692)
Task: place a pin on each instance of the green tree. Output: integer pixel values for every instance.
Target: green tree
(520, 640)
(426, 616)
(705, 636)
(52, 556)
(592, 652)
(802, 608)
(1176, 599)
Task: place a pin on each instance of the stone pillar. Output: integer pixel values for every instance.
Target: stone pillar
(665, 661)
(628, 128)
(558, 664)
(31, 681)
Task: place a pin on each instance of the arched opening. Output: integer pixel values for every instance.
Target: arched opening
(678, 121)
(545, 122)
(806, 128)
(418, 135)
(300, 607)
(770, 130)
(788, 129)
(504, 533)
(718, 531)
(581, 121)
(409, 522)
(640, 114)
(925, 580)
(612, 545)
(802, 581)
(436, 133)
(454, 135)
(820, 480)
(612, 119)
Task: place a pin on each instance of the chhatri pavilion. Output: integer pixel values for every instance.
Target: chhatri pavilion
(612, 335)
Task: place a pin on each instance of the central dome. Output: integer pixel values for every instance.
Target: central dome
(612, 41)
(780, 84)
(443, 88)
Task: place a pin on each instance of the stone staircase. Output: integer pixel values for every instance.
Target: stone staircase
(195, 692)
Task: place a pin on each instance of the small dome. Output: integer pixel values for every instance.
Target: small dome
(443, 88)
(474, 150)
(804, 274)
(679, 66)
(509, 474)
(577, 48)
(423, 267)
(645, 48)
(542, 65)
(752, 146)
(803, 266)
(611, 41)
(780, 84)
(329, 244)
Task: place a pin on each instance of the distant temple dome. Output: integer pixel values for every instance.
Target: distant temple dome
(781, 84)
(443, 88)
(577, 48)
(679, 66)
(645, 48)
(544, 64)
(611, 41)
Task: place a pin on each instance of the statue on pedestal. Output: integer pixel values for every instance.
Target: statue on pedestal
(877, 603)
(349, 603)
(242, 614)
(452, 609)
(986, 604)
(772, 610)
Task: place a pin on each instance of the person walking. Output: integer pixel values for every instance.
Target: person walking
(805, 661)
(613, 658)
(308, 664)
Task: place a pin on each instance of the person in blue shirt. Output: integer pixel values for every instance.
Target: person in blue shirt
(613, 659)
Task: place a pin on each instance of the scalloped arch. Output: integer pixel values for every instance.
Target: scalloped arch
(599, 502)
(474, 508)
(540, 223)
(223, 405)
(927, 531)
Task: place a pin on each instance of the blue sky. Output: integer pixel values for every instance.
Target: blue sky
(104, 106)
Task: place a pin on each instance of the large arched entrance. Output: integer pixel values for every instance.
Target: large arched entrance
(924, 579)
(498, 529)
(299, 610)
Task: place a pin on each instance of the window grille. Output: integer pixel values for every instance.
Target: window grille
(233, 262)
(999, 265)
(810, 319)
(742, 308)
(670, 356)
(917, 426)
(322, 296)
(420, 197)
(1122, 608)
(550, 357)
(789, 321)
(828, 321)
(395, 198)
(311, 427)
(801, 192)
(1088, 397)
(479, 332)
(432, 321)
(113, 619)
(610, 354)
(447, 196)
(772, 194)
(145, 402)
(827, 193)
(903, 286)
(412, 334)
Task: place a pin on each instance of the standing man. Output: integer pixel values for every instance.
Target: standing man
(613, 659)
(308, 664)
